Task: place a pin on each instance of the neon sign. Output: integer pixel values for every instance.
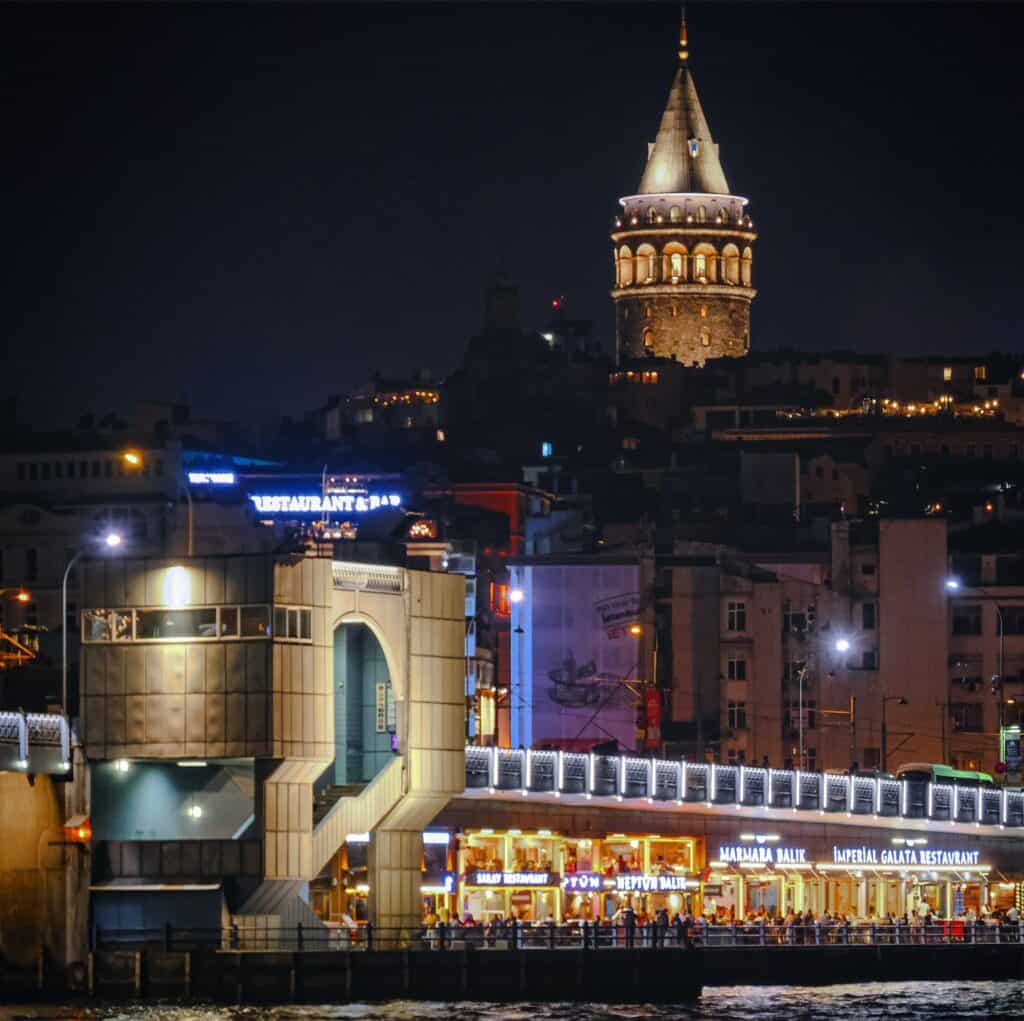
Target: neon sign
(583, 882)
(210, 478)
(345, 503)
(763, 855)
(488, 878)
(633, 883)
(902, 856)
(626, 882)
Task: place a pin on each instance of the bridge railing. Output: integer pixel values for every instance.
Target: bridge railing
(34, 742)
(679, 781)
(550, 935)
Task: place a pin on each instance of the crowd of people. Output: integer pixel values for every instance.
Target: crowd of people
(662, 928)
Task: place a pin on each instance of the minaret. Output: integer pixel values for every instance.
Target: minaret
(683, 245)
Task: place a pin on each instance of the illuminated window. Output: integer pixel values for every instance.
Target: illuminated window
(703, 308)
(630, 443)
(705, 337)
(648, 338)
(947, 373)
(702, 215)
(980, 372)
(648, 312)
(651, 215)
(700, 265)
(499, 600)
(694, 150)
(546, 449)
(675, 214)
(676, 264)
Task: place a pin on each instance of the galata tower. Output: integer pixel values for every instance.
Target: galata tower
(683, 245)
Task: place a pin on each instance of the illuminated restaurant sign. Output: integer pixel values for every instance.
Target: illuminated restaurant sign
(633, 883)
(902, 856)
(328, 503)
(763, 855)
(489, 878)
(212, 478)
(626, 882)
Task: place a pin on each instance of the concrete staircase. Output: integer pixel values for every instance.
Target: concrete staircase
(326, 799)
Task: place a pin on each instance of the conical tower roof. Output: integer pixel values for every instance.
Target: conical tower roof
(684, 157)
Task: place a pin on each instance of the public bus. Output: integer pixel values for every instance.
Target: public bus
(935, 772)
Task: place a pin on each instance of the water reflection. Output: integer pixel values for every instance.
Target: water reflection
(892, 1001)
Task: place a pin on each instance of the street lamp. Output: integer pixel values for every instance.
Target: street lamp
(111, 540)
(998, 683)
(134, 459)
(842, 645)
(886, 699)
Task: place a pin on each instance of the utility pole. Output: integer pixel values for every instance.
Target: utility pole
(853, 729)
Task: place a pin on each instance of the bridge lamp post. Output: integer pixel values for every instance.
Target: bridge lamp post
(111, 541)
(886, 699)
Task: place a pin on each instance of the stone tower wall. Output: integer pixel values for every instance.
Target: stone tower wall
(682, 292)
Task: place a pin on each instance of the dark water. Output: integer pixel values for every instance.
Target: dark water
(892, 1000)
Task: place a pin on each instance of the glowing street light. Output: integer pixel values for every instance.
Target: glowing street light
(953, 584)
(842, 645)
(516, 595)
(134, 458)
(112, 540)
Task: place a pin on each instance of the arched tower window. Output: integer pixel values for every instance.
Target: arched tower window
(648, 311)
(675, 214)
(625, 266)
(731, 257)
(674, 262)
(702, 214)
(648, 338)
(652, 215)
(645, 267)
(746, 267)
(705, 260)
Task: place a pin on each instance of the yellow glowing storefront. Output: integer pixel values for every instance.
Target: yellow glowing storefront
(907, 877)
(543, 876)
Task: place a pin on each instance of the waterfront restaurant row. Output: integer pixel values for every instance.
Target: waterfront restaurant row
(485, 860)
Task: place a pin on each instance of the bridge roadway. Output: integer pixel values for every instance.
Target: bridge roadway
(36, 743)
(665, 785)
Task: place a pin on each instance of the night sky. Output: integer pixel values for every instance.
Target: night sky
(251, 207)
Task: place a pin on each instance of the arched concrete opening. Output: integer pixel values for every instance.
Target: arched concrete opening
(365, 707)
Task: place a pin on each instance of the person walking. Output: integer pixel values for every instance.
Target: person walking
(629, 919)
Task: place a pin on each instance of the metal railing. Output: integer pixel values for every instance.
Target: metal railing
(677, 780)
(35, 742)
(596, 936)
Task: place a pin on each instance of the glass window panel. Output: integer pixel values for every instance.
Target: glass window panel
(229, 621)
(177, 624)
(255, 621)
(107, 625)
(306, 624)
(293, 624)
(280, 621)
